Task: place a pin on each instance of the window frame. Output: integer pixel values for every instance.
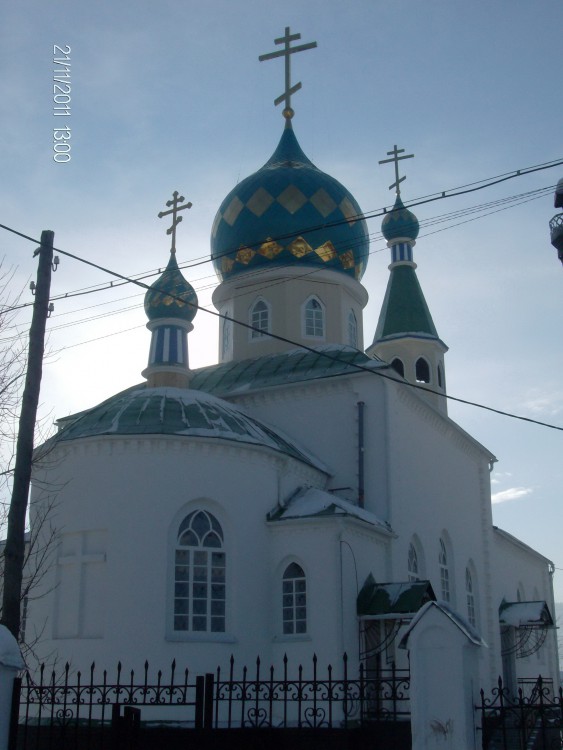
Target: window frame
(215, 572)
(445, 573)
(258, 335)
(294, 607)
(320, 315)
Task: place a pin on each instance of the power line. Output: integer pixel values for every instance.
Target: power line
(514, 200)
(318, 352)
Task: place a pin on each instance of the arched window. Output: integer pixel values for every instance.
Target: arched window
(226, 340)
(259, 319)
(470, 597)
(422, 371)
(444, 572)
(440, 377)
(412, 564)
(314, 319)
(398, 366)
(294, 600)
(199, 576)
(352, 329)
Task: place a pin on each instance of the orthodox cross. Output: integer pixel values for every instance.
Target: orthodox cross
(286, 52)
(396, 158)
(176, 199)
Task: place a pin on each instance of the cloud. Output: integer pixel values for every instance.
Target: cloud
(540, 402)
(513, 493)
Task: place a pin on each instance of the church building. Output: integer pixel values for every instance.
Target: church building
(306, 494)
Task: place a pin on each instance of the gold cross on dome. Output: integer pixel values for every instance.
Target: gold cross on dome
(286, 52)
(396, 158)
(176, 199)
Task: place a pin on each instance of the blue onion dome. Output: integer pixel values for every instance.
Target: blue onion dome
(171, 296)
(289, 213)
(400, 223)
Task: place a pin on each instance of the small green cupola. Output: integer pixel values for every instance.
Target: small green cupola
(405, 335)
(170, 305)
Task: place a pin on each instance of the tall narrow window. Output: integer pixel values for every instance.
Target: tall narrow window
(199, 581)
(398, 366)
(226, 342)
(259, 319)
(444, 572)
(314, 323)
(422, 371)
(413, 564)
(352, 329)
(294, 600)
(470, 596)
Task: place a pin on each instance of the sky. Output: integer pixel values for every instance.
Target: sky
(172, 97)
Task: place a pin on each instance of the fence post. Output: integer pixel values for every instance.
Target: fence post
(199, 701)
(10, 663)
(443, 654)
(208, 702)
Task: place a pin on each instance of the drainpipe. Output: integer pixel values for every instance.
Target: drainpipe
(361, 488)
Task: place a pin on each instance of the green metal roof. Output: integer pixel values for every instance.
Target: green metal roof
(404, 309)
(297, 365)
(378, 599)
(177, 411)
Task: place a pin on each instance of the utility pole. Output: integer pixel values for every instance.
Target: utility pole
(14, 552)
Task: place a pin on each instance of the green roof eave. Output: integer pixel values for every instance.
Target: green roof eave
(403, 598)
(404, 308)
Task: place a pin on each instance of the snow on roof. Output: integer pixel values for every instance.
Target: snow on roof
(525, 614)
(312, 502)
(454, 616)
(179, 411)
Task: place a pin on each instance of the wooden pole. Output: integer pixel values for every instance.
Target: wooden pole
(14, 552)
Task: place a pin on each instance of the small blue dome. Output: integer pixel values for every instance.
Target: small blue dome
(171, 296)
(400, 223)
(289, 213)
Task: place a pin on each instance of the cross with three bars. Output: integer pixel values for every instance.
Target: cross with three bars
(396, 158)
(286, 52)
(176, 199)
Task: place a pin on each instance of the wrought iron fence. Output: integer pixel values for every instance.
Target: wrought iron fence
(57, 710)
(270, 700)
(533, 718)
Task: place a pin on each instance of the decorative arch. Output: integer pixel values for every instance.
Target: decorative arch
(313, 318)
(422, 370)
(260, 318)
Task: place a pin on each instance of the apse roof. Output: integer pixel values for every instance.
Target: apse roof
(294, 366)
(178, 411)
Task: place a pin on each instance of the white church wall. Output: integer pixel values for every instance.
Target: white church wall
(336, 554)
(118, 512)
(523, 575)
(439, 491)
(323, 415)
